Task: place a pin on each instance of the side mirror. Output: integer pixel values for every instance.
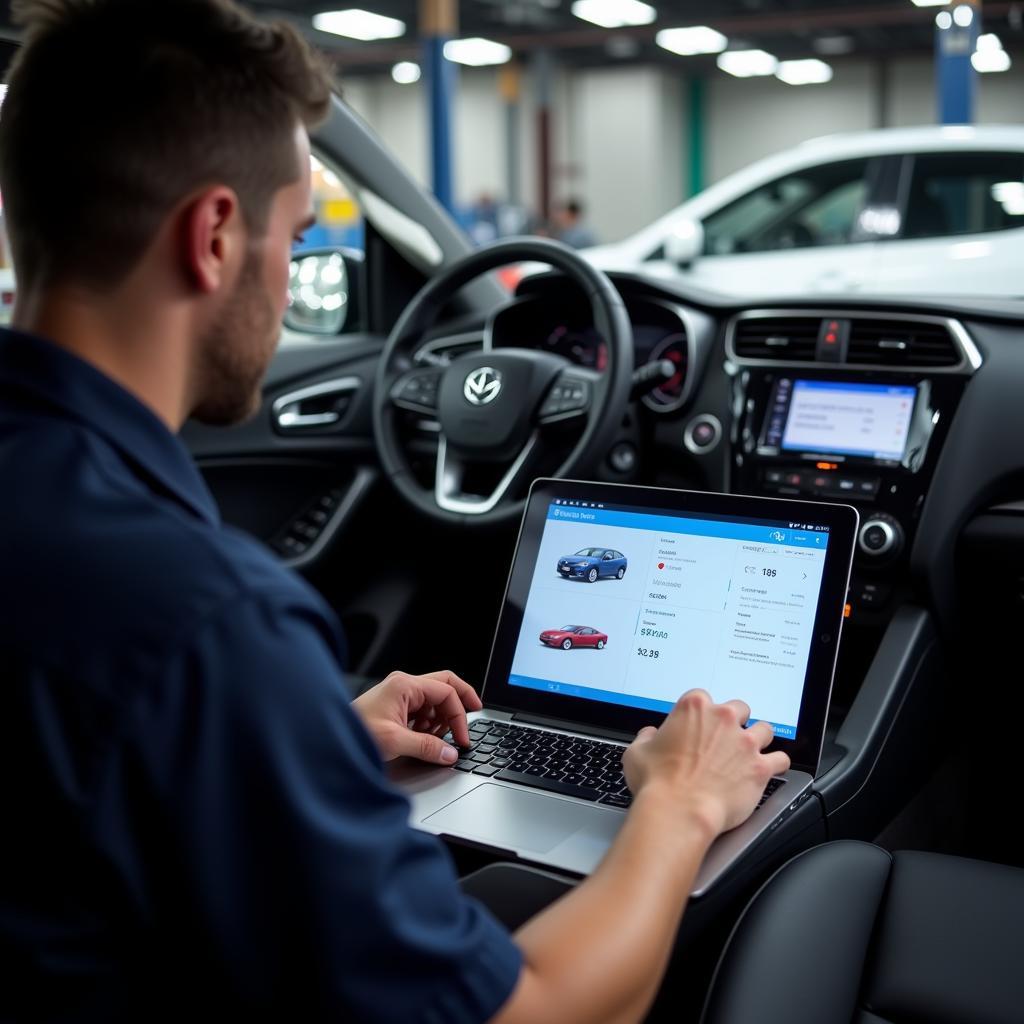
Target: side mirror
(686, 242)
(324, 291)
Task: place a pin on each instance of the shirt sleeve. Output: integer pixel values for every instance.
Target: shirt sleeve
(287, 858)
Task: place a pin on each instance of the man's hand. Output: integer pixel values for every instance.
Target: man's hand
(408, 715)
(706, 760)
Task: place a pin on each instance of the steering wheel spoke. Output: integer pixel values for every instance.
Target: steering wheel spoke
(416, 391)
(570, 396)
(451, 472)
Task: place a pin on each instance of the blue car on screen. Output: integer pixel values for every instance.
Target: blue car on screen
(593, 564)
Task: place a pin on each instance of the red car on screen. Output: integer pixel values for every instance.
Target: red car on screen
(569, 637)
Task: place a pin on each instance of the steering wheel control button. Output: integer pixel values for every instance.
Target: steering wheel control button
(417, 391)
(567, 398)
(702, 434)
(622, 458)
(880, 537)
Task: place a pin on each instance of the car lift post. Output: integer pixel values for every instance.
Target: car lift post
(956, 36)
(439, 23)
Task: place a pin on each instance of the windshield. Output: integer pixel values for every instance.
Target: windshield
(591, 552)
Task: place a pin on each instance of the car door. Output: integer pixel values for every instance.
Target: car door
(803, 232)
(961, 226)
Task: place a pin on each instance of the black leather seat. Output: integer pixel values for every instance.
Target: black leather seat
(847, 933)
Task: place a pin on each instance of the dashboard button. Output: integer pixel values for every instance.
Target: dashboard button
(622, 457)
(702, 434)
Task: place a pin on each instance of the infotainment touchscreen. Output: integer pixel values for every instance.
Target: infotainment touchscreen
(840, 418)
(632, 606)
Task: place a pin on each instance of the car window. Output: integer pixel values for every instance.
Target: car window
(812, 207)
(338, 218)
(964, 193)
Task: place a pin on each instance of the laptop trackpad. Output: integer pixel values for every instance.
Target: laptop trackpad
(512, 818)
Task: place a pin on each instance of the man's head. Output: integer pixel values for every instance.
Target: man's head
(569, 213)
(132, 127)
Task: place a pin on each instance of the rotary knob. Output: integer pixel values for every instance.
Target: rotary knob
(880, 537)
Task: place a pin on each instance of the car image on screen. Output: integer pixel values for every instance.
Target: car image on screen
(592, 564)
(569, 637)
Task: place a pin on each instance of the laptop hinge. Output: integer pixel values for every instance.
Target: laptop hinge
(559, 723)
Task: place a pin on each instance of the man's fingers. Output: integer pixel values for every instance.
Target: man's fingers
(778, 762)
(424, 746)
(764, 733)
(447, 705)
(740, 707)
(469, 697)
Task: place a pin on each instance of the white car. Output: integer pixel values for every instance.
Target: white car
(905, 210)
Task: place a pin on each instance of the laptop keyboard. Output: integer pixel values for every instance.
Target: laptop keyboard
(570, 765)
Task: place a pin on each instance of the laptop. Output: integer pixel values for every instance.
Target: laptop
(619, 599)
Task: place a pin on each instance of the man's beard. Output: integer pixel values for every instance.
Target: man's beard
(234, 352)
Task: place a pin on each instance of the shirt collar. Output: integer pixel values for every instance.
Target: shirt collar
(51, 377)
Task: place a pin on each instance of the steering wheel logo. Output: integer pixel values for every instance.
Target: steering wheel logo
(482, 386)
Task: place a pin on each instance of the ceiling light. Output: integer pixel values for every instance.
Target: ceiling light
(477, 52)
(930, 3)
(405, 72)
(963, 15)
(804, 72)
(689, 41)
(989, 41)
(986, 61)
(747, 63)
(614, 13)
(359, 24)
(944, 20)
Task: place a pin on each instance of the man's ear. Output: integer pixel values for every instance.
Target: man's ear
(210, 237)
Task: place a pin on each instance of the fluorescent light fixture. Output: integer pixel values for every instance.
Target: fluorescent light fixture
(747, 63)
(358, 24)
(989, 41)
(477, 52)
(614, 13)
(944, 20)
(804, 72)
(986, 61)
(963, 15)
(689, 41)
(930, 3)
(1010, 195)
(405, 72)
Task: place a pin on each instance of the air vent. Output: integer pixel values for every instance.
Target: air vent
(782, 338)
(901, 343)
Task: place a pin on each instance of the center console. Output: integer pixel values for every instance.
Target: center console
(849, 407)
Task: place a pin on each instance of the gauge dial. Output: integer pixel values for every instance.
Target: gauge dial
(669, 395)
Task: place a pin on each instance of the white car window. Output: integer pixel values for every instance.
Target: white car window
(812, 207)
(964, 193)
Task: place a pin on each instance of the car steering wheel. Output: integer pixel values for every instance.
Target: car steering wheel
(497, 406)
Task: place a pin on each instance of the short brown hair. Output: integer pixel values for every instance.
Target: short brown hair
(117, 109)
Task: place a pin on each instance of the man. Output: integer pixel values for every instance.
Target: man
(570, 226)
(195, 818)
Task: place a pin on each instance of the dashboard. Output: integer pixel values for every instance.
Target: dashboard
(850, 402)
(662, 331)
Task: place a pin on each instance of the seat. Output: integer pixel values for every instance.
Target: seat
(848, 933)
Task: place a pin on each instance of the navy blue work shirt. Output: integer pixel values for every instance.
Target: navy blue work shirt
(192, 817)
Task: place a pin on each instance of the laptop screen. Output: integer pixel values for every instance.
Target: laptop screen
(633, 606)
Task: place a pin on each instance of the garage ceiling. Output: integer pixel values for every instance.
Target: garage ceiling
(833, 29)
